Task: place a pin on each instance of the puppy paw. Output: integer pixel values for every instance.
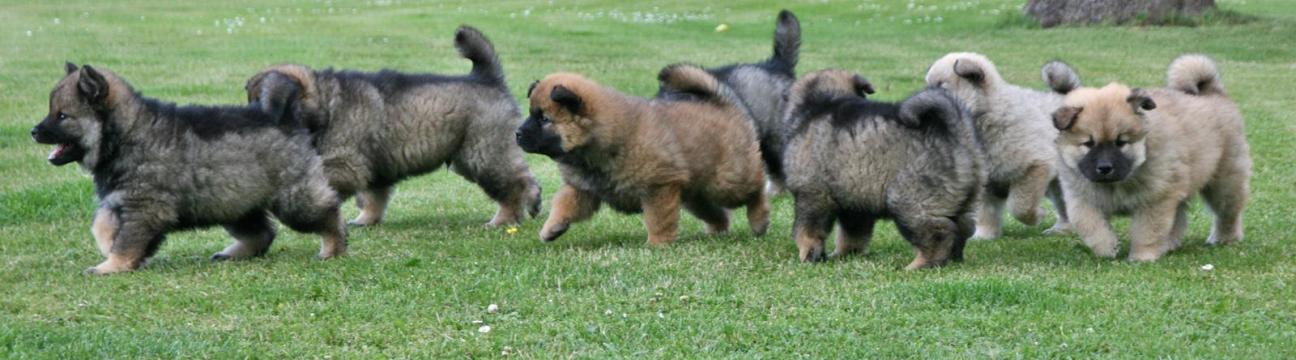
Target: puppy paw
(1217, 239)
(812, 254)
(1060, 228)
(1145, 255)
(983, 233)
(107, 267)
(551, 232)
(325, 255)
(363, 221)
(1106, 252)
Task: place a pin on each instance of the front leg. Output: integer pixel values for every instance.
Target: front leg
(106, 224)
(570, 205)
(1150, 231)
(661, 214)
(136, 239)
(1092, 226)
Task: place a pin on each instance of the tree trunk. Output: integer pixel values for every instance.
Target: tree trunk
(1051, 13)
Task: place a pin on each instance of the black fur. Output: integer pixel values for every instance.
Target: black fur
(1106, 163)
(475, 47)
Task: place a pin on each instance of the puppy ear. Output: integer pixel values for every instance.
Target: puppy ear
(862, 86)
(92, 85)
(970, 71)
(275, 93)
(531, 89)
(1140, 101)
(934, 108)
(568, 99)
(1065, 117)
(69, 67)
(253, 86)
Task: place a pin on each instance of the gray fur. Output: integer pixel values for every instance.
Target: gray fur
(376, 129)
(918, 162)
(157, 169)
(1016, 125)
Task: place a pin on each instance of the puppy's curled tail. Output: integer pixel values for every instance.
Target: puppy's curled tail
(693, 80)
(1194, 74)
(932, 108)
(278, 95)
(1060, 77)
(787, 43)
(477, 48)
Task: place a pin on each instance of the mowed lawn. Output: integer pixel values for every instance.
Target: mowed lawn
(420, 284)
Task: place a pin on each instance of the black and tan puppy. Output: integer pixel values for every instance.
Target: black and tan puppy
(854, 161)
(1145, 153)
(159, 168)
(376, 129)
(650, 156)
(762, 87)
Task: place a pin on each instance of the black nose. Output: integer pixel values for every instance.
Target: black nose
(34, 131)
(518, 133)
(1104, 169)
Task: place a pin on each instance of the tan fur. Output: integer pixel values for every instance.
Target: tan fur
(104, 229)
(701, 155)
(1186, 145)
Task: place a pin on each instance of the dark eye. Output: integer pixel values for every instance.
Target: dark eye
(544, 120)
(62, 116)
(1121, 143)
(1088, 144)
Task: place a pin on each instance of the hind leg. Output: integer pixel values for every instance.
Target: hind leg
(966, 226)
(1024, 198)
(989, 217)
(1226, 196)
(933, 236)
(715, 217)
(1063, 224)
(311, 206)
(570, 205)
(490, 158)
(814, 220)
(373, 205)
(252, 234)
(758, 214)
(517, 205)
(854, 231)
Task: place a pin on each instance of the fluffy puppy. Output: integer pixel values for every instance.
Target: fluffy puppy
(375, 129)
(854, 161)
(650, 156)
(1145, 153)
(159, 168)
(762, 87)
(1014, 123)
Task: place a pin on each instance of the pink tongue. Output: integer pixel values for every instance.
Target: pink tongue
(58, 150)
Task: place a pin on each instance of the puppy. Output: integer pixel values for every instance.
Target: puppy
(762, 87)
(649, 156)
(855, 161)
(376, 129)
(1145, 153)
(159, 168)
(1014, 123)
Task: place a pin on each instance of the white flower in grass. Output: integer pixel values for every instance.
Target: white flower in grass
(484, 329)
(492, 309)
(1207, 267)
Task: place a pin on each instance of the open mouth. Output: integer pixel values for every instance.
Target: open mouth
(65, 153)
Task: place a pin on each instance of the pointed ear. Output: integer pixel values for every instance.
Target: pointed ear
(1065, 117)
(531, 89)
(69, 67)
(568, 99)
(969, 70)
(1140, 101)
(92, 85)
(862, 86)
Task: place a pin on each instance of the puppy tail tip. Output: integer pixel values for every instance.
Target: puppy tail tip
(1060, 77)
(1195, 74)
(474, 46)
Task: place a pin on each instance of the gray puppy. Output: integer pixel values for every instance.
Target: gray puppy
(762, 87)
(1014, 122)
(376, 129)
(854, 161)
(159, 167)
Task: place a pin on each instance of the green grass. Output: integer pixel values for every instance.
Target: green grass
(418, 285)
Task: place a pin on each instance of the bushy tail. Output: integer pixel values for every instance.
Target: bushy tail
(1194, 74)
(693, 80)
(1060, 77)
(933, 108)
(276, 95)
(787, 43)
(474, 46)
